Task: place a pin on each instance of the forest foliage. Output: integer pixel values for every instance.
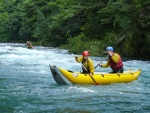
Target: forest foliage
(79, 25)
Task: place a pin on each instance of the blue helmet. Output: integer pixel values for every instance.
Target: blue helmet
(109, 48)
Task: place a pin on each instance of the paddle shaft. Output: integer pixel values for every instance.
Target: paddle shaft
(89, 75)
(101, 61)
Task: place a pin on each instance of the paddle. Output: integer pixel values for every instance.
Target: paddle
(101, 61)
(89, 75)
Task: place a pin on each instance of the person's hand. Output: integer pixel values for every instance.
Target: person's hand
(100, 65)
(76, 57)
(91, 74)
(110, 53)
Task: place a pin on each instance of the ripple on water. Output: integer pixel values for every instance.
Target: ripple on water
(26, 84)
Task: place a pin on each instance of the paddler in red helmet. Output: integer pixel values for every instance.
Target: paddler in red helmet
(114, 61)
(87, 63)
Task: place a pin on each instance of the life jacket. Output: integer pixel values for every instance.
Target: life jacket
(87, 66)
(114, 65)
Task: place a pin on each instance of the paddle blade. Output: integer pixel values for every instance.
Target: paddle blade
(97, 83)
(94, 80)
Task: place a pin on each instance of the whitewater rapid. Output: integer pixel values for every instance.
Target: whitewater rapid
(26, 84)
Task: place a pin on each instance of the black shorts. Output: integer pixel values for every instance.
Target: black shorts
(119, 70)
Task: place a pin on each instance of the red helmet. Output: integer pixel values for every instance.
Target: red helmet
(85, 53)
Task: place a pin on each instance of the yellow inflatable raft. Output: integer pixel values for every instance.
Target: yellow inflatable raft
(62, 76)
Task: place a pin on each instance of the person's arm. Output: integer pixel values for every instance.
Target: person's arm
(105, 65)
(115, 57)
(79, 59)
(91, 66)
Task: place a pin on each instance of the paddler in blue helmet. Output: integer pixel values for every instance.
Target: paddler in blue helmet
(114, 61)
(87, 63)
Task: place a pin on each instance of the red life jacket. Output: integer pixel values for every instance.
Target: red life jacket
(114, 65)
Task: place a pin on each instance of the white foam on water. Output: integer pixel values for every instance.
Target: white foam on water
(80, 89)
(25, 76)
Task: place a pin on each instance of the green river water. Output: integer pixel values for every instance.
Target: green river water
(27, 86)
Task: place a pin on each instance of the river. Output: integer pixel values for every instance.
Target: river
(27, 86)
